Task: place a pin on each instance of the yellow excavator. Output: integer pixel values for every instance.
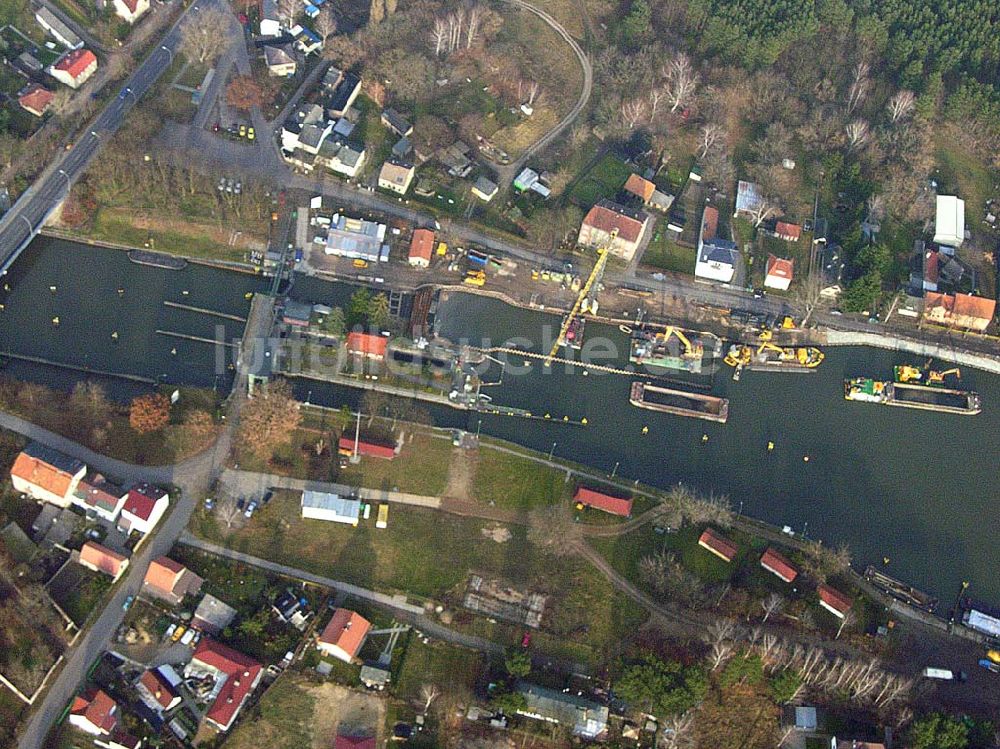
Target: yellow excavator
(691, 350)
(908, 373)
(740, 355)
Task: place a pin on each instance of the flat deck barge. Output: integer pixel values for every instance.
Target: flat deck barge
(679, 402)
(900, 590)
(671, 348)
(908, 395)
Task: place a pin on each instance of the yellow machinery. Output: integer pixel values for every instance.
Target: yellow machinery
(803, 356)
(691, 350)
(603, 254)
(909, 373)
(938, 377)
(475, 278)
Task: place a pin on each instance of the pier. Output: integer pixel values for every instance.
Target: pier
(202, 310)
(77, 367)
(547, 359)
(199, 339)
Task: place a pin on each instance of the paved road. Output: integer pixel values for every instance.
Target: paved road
(20, 224)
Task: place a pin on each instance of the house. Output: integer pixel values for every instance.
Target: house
(59, 31)
(375, 677)
(776, 564)
(779, 273)
(311, 114)
(270, 25)
(356, 238)
(959, 311)
(29, 61)
(212, 615)
(585, 718)
(367, 345)
(308, 41)
(749, 199)
(98, 497)
(344, 635)
(330, 507)
(641, 188)
(834, 601)
(661, 201)
(44, 474)
(143, 508)
(421, 248)
(347, 445)
(788, 232)
(312, 136)
(603, 502)
(235, 675)
(949, 221)
(156, 692)
(924, 268)
(396, 176)
(484, 189)
(170, 581)
(396, 122)
(99, 558)
(529, 179)
(342, 158)
(74, 68)
(291, 609)
(296, 314)
(343, 95)
(94, 712)
(354, 742)
(402, 148)
(801, 717)
(343, 128)
(716, 258)
(119, 740)
(604, 218)
(35, 99)
(130, 10)
(719, 545)
(831, 271)
(279, 60)
(455, 159)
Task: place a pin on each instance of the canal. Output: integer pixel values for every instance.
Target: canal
(918, 488)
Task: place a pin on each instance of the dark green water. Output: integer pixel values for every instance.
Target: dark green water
(917, 487)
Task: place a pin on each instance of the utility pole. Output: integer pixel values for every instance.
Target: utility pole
(357, 436)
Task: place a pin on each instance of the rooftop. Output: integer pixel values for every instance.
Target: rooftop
(640, 187)
(346, 630)
(607, 215)
(605, 502)
(75, 62)
(718, 544)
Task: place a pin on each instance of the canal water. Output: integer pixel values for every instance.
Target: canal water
(916, 487)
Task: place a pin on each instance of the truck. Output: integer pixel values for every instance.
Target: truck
(383, 516)
(943, 674)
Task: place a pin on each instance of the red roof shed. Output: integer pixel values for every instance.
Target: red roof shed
(719, 545)
(775, 563)
(605, 502)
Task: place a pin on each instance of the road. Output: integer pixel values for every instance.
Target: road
(20, 224)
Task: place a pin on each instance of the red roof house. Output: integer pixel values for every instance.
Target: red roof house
(75, 67)
(238, 674)
(156, 692)
(102, 559)
(344, 635)
(834, 601)
(604, 502)
(35, 99)
(709, 223)
(607, 217)
(641, 188)
(143, 508)
(368, 345)
(345, 445)
(722, 547)
(46, 474)
(170, 580)
(94, 712)
(421, 247)
(354, 742)
(788, 232)
(776, 564)
(959, 311)
(779, 273)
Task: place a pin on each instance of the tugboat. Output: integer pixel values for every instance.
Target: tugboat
(574, 333)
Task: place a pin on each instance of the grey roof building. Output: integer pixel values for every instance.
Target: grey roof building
(586, 718)
(60, 31)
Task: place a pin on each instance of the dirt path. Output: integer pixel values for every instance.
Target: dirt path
(461, 470)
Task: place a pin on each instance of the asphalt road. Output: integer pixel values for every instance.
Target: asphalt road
(20, 224)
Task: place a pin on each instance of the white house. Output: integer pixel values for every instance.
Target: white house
(74, 68)
(332, 507)
(269, 23)
(130, 10)
(344, 636)
(779, 273)
(395, 176)
(280, 62)
(143, 508)
(716, 259)
(46, 475)
(99, 497)
(59, 31)
(949, 222)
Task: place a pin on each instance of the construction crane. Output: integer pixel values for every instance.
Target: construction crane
(603, 253)
(691, 350)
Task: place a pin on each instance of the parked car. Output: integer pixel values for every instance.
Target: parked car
(240, 503)
(94, 533)
(250, 509)
(128, 603)
(250, 133)
(267, 497)
(188, 637)
(170, 632)
(178, 633)
(243, 131)
(209, 503)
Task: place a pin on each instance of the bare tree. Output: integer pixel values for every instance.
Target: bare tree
(428, 693)
(809, 294)
(681, 81)
(656, 96)
(901, 105)
(473, 18)
(227, 510)
(678, 732)
(632, 113)
(653, 571)
(876, 208)
(765, 208)
(326, 23)
(858, 134)
(711, 133)
(772, 605)
(288, 9)
(531, 89)
(719, 637)
(848, 620)
(439, 37)
(203, 34)
(785, 735)
(860, 85)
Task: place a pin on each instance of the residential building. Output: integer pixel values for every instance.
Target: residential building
(949, 221)
(74, 68)
(46, 475)
(297, 314)
(308, 41)
(292, 609)
(212, 615)
(455, 158)
(604, 218)
(98, 497)
(354, 742)
(156, 692)
(35, 99)
(749, 199)
(788, 232)
(368, 345)
(310, 114)
(858, 744)
(348, 445)
(529, 179)
(341, 158)
(236, 676)
(604, 502)
(344, 636)
(801, 717)
(343, 95)
(170, 581)
(59, 31)
(585, 718)
(118, 740)
(718, 544)
(312, 136)
(421, 248)
(130, 10)
(831, 270)
(402, 148)
(396, 176)
(641, 188)
(143, 508)
(375, 677)
(356, 238)
(661, 201)
(834, 601)
(270, 23)
(716, 258)
(396, 122)
(779, 273)
(29, 61)
(925, 268)
(777, 564)
(959, 311)
(279, 60)
(94, 712)
(99, 558)
(484, 189)
(330, 507)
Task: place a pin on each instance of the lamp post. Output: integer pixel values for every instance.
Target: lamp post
(552, 451)
(615, 469)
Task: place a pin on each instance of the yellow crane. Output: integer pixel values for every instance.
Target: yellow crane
(691, 350)
(603, 253)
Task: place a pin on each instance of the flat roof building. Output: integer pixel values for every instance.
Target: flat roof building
(330, 507)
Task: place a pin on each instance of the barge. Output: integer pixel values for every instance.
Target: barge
(771, 358)
(901, 591)
(679, 402)
(157, 260)
(907, 395)
(668, 347)
(573, 337)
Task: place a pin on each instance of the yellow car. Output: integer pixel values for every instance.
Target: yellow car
(243, 131)
(250, 133)
(178, 633)
(359, 263)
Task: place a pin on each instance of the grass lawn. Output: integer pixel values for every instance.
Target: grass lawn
(515, 482)
(664, 252)
(436, 663)
(77, 591)
(603, 180)
(187, 239)
(283, 718)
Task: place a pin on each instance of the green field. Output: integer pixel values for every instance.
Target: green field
(281, 720)
(515, 482)
(603, 180)
(665, 253)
